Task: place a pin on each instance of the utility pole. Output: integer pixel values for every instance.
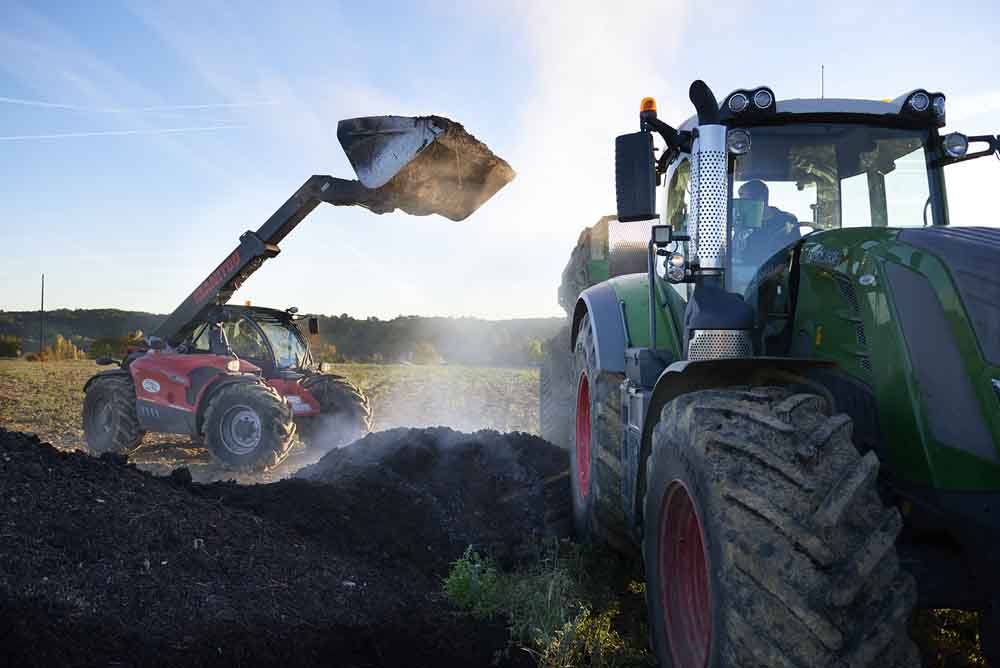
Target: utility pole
(822, 82)
(41, 320)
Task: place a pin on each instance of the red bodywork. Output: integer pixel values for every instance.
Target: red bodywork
(165, 379)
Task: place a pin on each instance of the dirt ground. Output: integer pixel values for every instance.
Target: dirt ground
(104, 564)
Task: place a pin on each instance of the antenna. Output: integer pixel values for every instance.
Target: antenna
(41, 320)
(822, 82)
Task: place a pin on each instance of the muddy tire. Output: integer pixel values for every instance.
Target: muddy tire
(248, 427)
(346, 414)
(556, 391)
(766, 542)
(110, 423)
(595, 460)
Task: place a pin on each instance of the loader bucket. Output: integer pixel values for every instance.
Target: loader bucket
(422, 165)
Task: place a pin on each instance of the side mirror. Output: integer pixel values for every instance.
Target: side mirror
(313, 326)
(635, 177)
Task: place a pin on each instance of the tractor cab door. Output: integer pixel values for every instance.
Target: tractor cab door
(248, 341)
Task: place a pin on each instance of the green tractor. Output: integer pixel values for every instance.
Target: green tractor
(783, 389)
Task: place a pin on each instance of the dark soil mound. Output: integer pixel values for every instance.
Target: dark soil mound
(102, 564)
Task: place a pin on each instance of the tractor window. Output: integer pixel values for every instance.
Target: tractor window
(246, 340)
(290, 352)
(798, 178)
(678, 197)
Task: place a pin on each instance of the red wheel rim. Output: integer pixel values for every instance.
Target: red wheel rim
(583, 436)
(684, 588)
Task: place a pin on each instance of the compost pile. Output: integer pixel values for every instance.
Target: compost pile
(104, 564)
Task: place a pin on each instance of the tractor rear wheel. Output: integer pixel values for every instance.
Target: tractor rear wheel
(595, 462)
(556, 391)
(110, 423)
(248, 427)
(766, 542)
(345, 413)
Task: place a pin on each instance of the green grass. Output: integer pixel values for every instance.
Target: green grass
(574, 606)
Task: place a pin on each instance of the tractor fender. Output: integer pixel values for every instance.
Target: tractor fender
(104, 374)
(685, 376)
(601, 302)
(224, 381)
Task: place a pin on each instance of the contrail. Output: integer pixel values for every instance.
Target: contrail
(125, 110)
(121, 133)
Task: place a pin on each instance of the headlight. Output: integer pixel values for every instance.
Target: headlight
(762, 99)
(676, 268)
(738, 141)
(738, 103)
(920, 102)
(938, 105)
(233, 366)
(955, 144)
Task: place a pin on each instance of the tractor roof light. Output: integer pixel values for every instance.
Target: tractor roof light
(955, 144)
(763, 99)
(938, 105)
(919, 102)
(738, 102)
(647, 104)
(738, 141)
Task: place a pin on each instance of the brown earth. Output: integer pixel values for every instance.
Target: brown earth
(103, 564)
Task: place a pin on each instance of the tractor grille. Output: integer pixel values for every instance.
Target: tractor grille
(847, 291)
(713, 344)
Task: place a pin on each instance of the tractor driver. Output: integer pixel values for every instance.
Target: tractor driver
(246, 341)
(777, 229)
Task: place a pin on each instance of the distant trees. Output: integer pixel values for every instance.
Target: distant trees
(116, 346)
(10, 346)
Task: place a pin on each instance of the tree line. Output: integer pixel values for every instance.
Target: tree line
(420, 340)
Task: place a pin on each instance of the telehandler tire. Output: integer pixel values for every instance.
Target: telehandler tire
(248, 427)
(766, 542)
(110, 423)
(345, 413)
(595, 460)
(556, 391)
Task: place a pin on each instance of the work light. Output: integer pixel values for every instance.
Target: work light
(955, 144)
(738, 103)
(738, 141)
(763, 99)
(920, 102)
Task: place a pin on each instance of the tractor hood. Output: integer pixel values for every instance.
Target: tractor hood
(972, 254)
(422, 165)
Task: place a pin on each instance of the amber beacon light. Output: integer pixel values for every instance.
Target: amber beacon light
(648, 104)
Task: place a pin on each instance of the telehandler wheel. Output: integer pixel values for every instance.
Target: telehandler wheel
(248, 427)
(766, 542)
(345, 413)
(109, 420)
(556, 391)
(595, 462)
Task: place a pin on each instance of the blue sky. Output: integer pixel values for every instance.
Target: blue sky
(224, 109)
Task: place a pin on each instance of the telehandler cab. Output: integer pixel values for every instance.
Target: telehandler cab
(242, 379)
(783, 387)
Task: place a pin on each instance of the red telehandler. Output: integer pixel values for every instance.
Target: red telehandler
(242, 380)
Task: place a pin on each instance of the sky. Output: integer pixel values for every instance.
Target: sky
(138, 140)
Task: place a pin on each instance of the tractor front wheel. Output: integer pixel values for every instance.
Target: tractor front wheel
(345, 413)
(766, 542)
(110, 423)
(248, 427)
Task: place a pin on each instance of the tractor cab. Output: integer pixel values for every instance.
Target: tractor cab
(267, 338)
